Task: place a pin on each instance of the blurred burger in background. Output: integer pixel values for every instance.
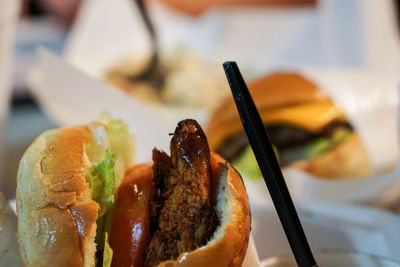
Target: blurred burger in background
(306, 128)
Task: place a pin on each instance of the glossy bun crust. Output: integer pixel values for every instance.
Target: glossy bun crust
(56, 214)
(275, 90)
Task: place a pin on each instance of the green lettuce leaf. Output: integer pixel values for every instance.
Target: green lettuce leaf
(122, 144)
(322, 145)
(108, 252)
(103, 177)
(101, 180)
(315, 147)
(247, 164)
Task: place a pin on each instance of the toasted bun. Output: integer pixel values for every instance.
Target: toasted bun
(275, 90)
(284, 89)
(228, 244)
(56, 214)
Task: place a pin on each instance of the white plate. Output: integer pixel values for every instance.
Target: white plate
(330, 227)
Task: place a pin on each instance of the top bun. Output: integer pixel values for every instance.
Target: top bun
(284, 89)
(275, 90)
(57, 216)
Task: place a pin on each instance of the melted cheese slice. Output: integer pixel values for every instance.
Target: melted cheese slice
(312, 116)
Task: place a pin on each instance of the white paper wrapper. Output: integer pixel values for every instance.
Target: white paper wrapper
(370, 101)
(331, 227)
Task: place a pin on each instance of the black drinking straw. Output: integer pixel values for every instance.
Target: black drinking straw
(269, 166)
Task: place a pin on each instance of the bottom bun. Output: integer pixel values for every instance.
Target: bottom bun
(347, 160)
(228, 244)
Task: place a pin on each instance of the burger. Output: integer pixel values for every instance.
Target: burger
(188, 208)
(307, 129)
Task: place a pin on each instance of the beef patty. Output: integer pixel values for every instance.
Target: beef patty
(283, 136)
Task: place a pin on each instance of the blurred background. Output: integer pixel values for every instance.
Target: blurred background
(57, 54)
(196, 37)
(261, 35)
